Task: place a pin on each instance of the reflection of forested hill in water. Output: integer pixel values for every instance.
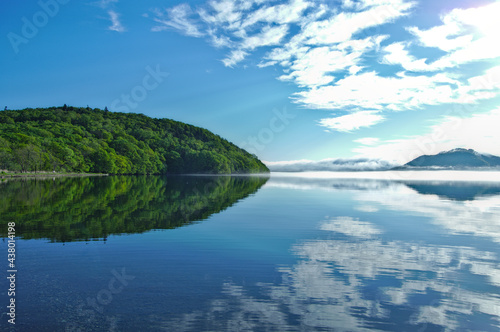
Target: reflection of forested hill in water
(457, 191)
(68, 209)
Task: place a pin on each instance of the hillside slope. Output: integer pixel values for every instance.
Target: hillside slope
(75, 139)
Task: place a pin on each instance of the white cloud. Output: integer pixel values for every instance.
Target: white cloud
(489, 81)
(367, 140)
(238, 20)
(114, 16)
(343, 26)
(466, 35)
(313, 66)
(280, 14)
(352, 121)
(178, 18)
(235, 57)
(223, 12)
(482, 49)
(397, 54)
(481, 86)
(219, 41)
(368, 90)
(231, 24)
(455, 32)
(438, 37)
(267, 37)
(116, 25)
(333, 165)
(479, 132)
(338, 63)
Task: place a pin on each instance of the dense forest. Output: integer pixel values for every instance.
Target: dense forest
(92, 208)
(86, 140)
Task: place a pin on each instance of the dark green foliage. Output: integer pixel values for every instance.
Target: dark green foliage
(85, 208)
(70, 139)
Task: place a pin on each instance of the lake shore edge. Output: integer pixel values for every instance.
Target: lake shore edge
(14, 175)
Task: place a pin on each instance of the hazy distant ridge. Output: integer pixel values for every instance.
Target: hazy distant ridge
(454, 159)
(331, 165)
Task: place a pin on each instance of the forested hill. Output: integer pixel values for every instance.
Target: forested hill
(71, 139)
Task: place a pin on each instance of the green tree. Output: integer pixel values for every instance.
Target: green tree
(83, 139)
(102, 162)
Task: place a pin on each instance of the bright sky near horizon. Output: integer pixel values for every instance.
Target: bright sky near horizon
(284, 79)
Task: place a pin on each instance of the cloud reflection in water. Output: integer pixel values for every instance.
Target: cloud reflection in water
(356, 278)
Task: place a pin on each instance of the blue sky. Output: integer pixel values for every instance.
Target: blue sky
(286, 80)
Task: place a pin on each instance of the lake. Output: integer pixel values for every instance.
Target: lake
(309, 252)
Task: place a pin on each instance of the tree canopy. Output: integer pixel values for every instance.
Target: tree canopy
(86, 140)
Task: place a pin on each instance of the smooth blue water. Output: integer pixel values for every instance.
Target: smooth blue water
(287, 254)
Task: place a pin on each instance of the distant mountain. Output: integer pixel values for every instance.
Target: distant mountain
(453, 159)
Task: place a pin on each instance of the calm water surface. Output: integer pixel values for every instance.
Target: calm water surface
(253, 254)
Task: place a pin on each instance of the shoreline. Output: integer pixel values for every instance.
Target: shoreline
(46, 175)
